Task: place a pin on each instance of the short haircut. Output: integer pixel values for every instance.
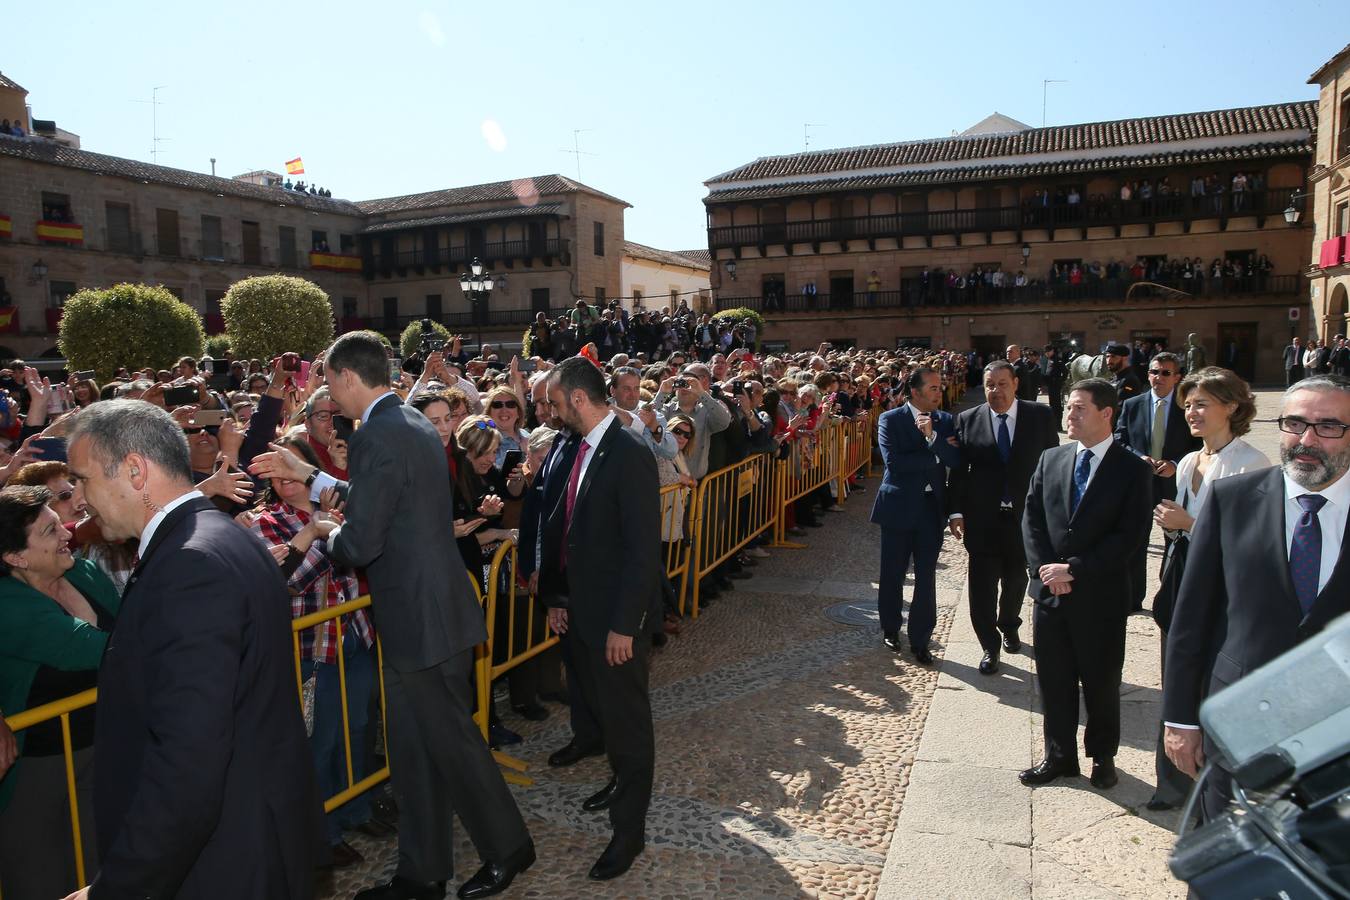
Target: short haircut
(37, 474)
(915, 380)
(363, 353)
(1102, 392)
(540, 439)
(578, 374)
(1168, 358)
(119, 427)
(139, 386)
(1319, 383)
(20, 506)
(1224, 386)
(1001, 365)
(626, 372)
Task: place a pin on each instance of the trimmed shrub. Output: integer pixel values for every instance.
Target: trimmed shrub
(132, 325)
(411, 338)
(274, 314)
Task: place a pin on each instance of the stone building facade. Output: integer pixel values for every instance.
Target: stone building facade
(1328, 206)
(1039, 228)
(71, 219)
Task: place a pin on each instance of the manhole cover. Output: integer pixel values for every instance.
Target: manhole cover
(859, 613)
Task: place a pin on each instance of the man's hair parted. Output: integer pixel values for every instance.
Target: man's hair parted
(116, 428)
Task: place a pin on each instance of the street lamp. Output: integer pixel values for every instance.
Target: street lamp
(477, 285)
(1292, 214)
(1026, 253)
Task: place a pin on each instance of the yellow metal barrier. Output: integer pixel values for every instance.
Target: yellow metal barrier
(732, 506)
(812, 461)
(677, 527)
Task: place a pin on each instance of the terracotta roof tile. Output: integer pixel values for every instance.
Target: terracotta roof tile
(1089, 136)
(6, 82)
(1005, 172)
(519, 190)
(702, 257)
(482, 215)
(55, 154)
(668, 257)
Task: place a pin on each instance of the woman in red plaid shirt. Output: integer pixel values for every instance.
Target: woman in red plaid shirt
(287, 521)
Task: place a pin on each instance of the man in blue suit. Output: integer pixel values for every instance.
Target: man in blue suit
(918, 443)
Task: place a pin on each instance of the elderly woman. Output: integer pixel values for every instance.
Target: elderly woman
(287, 521)
(55, 477)
(502, 404)
(1219, 409)
(55, 616)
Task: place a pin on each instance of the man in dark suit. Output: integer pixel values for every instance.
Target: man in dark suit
(206, 783)
(600, 576)
(1055, 370)
(1001, 441)
(1267, 568)
(1293, 362)
(1027, 369)
(917, 441)
(397, 525)
(1087, 513)
(541, 498)
(1153, 428)
(1127, 383)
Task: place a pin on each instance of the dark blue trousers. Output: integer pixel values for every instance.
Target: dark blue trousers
(920, 544)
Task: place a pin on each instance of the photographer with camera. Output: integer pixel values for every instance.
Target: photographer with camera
(688, 394)
(646, 423)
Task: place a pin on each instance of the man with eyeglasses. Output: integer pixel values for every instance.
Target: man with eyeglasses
(1153, 428)
(1265, 569)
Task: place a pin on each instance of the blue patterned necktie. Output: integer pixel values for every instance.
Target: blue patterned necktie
(1005, 451)
(1080, 477)
(1305, 554)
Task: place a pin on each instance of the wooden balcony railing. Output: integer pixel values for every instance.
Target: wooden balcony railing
(1095, 210)
(488, 253)
(914, 294)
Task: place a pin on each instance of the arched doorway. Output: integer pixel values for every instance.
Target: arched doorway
(1336, 309)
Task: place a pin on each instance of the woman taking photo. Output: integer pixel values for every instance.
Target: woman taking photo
(56, 613)
(1219, 409)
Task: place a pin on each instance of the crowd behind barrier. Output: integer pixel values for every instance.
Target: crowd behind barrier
(750, 447)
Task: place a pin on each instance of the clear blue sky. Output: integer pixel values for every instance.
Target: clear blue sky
(392, 98)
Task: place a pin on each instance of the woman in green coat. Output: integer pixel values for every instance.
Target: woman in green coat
(55, 616)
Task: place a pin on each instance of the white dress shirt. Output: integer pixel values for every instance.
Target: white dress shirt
(1331, 517)
(1098, 451)
(148, 532)
(592, 440)
(1012, 422)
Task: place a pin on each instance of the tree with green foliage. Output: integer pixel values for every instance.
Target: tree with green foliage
(217, 345)
(132, 325)
(274, 314)
(740, 315)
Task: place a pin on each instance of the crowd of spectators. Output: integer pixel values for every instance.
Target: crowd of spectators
(602, 331)
(1146, 196)
(301, 187)
(12, 129)
(699, 405)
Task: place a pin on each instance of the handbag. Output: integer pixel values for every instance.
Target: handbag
(1165, 601)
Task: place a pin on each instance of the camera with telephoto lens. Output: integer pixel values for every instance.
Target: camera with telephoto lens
(429, 343)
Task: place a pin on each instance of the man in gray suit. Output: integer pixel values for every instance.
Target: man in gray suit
(398, 525)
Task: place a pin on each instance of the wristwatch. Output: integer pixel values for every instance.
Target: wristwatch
(309, 482)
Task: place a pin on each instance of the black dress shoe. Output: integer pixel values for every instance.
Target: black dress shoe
(892, 640)
(1011, 642)
(400, 888)
(617, 859)
(572, 754)
(923, 656)
(603, 798)
(344, 855)
(500, 736)
(535, 712)
(496, 877)
(1047, 770)
(1104, 774)
(989, 665)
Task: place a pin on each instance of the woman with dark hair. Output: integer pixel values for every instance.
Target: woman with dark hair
(1219, 408)
(294, 529)
(84, 392)
(56, 613)
(444, 410)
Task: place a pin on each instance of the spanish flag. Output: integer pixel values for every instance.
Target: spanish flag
(295, 166)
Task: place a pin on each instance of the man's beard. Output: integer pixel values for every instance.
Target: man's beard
(1309, 475)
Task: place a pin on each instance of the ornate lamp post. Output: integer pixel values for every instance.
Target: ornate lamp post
(477, 285)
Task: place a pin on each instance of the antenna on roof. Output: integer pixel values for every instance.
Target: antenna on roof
(1045, 87)
(576, 150)
(154, 121)
(806, 134)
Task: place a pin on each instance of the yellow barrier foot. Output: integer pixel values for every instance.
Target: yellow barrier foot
(512, 778)
(789, 545)
(509, 762)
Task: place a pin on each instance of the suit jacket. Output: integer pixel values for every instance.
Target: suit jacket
(1128, 384)
(1237, 609)
(976, 486)
(398, 525)
(1097, 540)
(612, 577)
(543, 495)
(1134, 431)
(1293, 357)
(1028, 380)
(205, 784)
(911, 466)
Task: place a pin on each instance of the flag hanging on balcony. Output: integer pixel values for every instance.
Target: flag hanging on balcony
(295, 166)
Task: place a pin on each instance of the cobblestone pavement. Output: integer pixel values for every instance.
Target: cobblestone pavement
(786, 743)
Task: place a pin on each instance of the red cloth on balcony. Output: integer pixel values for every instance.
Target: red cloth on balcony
(1333, 252)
